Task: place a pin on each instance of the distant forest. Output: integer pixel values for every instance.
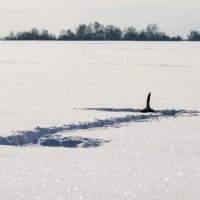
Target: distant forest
(97, 32)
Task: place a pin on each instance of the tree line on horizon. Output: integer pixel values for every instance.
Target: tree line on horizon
(96, 31)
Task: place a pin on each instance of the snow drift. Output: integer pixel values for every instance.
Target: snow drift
(71, 142)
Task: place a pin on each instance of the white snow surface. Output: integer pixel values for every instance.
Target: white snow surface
(88, 94)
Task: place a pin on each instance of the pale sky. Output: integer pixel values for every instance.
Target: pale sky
(174, 17)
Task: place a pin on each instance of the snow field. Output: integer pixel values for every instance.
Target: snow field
(139, 156)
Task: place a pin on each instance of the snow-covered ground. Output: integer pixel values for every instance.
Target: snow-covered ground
(87, 94)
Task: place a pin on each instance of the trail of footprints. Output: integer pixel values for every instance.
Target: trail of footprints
(47, 137)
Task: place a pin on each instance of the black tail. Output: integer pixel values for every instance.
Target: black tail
(148, 100)
(148, 108)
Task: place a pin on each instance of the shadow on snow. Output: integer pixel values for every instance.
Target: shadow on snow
(167, 112)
